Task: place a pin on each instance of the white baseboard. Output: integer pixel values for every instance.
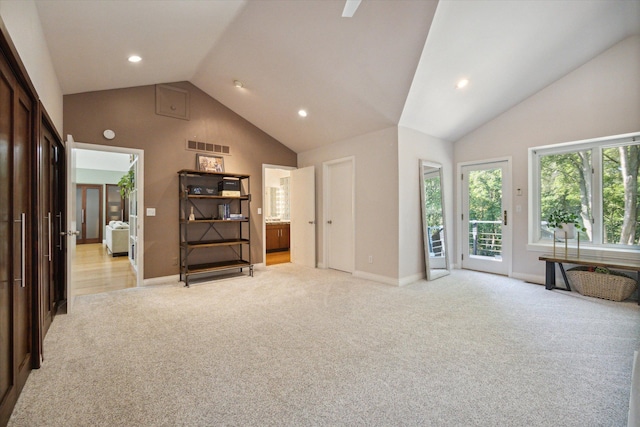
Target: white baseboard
(376, 278)
(532, 278)
(411, 279)
(165, 280)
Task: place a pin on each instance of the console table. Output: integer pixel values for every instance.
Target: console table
(550, 273)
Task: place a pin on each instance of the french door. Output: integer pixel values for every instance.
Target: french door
(89, 213)
(486, 223)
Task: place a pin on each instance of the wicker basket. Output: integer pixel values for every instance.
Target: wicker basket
(614, 287)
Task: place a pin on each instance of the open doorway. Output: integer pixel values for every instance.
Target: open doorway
(277, 214)
(109, 259)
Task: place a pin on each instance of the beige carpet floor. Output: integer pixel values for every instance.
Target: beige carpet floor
(295, 346)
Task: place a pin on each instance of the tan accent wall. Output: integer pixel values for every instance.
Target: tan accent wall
(131, 113)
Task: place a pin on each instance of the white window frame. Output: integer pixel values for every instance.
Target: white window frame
(596, 247)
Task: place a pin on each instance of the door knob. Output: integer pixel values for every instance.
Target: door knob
(70, 233)
(329, 222)
(312, 222)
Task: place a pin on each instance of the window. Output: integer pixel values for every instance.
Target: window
(598, 181)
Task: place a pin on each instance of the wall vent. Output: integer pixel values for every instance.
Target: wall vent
(207, 147)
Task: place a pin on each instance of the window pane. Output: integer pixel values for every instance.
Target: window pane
(485, 213)
(565, 183)
(620, 195)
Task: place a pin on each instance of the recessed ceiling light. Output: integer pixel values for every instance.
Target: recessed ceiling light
(462, 83)
(302, 113)
(238, 84)
(135, 58)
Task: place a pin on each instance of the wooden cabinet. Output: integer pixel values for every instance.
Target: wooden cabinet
(277, 236)
(215, 232)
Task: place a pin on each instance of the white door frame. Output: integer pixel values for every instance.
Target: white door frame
(325, 209)
(140, 203)
(266, 166)
(507, 204)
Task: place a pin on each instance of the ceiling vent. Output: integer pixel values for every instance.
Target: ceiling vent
(207, 147)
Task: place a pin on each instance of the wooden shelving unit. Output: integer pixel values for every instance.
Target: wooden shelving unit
(210, 244)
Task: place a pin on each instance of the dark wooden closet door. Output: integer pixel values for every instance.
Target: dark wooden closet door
(6, 279)
(50, 213)
(16, 328)
(22, 218)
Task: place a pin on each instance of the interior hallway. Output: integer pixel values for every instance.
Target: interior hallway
(96, 271)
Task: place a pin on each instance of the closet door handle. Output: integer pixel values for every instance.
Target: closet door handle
(59, 215)
(82, 217)
(23, 254)
(48, 217)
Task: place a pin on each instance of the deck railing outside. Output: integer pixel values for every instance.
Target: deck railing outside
(485, 238)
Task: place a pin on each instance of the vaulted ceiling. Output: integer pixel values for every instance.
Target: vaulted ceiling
(395, 62)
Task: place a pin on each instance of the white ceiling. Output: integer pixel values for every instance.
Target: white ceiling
(353, 75)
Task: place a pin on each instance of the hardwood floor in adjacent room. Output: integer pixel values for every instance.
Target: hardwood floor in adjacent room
(279, 257)
(95, 270)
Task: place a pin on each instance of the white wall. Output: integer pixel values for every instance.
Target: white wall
(376, 200)
(23, 23)
(413, 146)
(600, 98)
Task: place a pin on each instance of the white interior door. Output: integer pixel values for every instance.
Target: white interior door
(339, 223)
(486, 223)
(303, 216)
(71, 226)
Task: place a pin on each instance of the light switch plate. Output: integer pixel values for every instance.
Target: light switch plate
(151, 211)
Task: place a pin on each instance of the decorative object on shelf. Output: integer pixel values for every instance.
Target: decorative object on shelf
(127, 183)
(601, 282)
(219, 240)
(564, 223)
(208, 163)
(224, 211)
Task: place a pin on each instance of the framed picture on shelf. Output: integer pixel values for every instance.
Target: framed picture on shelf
(208, 163)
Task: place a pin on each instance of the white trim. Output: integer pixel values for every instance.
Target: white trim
(325, 212)
(164, 280)
(376, 278)
(508, 188)
(589, 143)
(407, 280)
(531, 278)
(140, 193)
(266, 166)
(595, 145)
(389, 280)
(604, 253)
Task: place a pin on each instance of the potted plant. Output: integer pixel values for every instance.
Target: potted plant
(562, 222)
(126, 184)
